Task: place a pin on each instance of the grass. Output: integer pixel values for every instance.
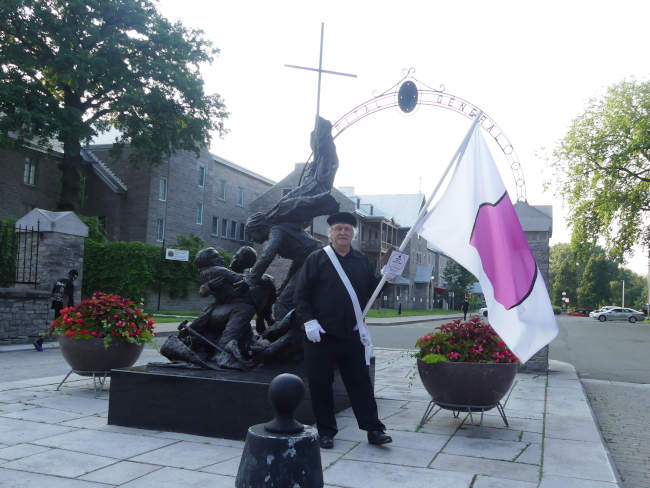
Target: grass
(167, 316)
(389, 312)
(172, 316)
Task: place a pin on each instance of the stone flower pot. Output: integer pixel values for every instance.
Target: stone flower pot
(90, 354)
(479, 386)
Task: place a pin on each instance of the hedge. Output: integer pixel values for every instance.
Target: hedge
(130, 269)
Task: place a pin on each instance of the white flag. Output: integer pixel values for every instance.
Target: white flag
(475, 224)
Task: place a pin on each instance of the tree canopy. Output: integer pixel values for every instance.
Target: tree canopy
(603, 168)
(73, 68)
(458, 280)
(595, 282)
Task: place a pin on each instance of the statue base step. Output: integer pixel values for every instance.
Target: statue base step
(204, 402)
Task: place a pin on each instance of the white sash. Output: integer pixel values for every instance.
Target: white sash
(361, 324)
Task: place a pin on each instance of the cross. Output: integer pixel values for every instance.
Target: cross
(320, 70)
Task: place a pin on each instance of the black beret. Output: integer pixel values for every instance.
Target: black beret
(342, 218)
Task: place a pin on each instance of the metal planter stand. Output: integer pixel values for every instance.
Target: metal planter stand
(99, 379)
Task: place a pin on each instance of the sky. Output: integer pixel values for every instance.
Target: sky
(531, 66)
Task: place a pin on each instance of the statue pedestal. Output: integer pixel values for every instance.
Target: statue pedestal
(204, 402)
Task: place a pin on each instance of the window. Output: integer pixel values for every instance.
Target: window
(240, 197)
(201, 176)
(233, 229)
(199, 213)
(224, 228)
(162, 193)
(215, 226)
(222, 190)
(242, 232)
(160, 230)
(29, 177)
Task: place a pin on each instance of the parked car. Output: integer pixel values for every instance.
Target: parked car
(618, 313)
(483, 311)
(602, 309)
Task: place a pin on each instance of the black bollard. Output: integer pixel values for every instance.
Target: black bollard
(282, 453)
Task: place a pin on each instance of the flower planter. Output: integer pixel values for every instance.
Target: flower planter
(473, 386)
(90, 355)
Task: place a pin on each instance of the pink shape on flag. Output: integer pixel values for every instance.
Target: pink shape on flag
(505, 254)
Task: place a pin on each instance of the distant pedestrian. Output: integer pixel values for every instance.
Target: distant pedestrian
(62, 297)
(465, 308)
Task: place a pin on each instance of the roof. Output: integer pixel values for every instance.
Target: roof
(47, 221)
(403, 208)
(423, 273)
(400, 280)
(241, 169)
(535, 218)
(103, 171)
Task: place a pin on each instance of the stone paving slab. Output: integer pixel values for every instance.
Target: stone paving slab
(61, 439)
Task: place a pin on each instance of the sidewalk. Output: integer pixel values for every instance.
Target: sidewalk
(61, 439)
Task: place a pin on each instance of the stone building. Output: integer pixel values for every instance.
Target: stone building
(206, 196)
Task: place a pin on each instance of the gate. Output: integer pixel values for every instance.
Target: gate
(18, 254)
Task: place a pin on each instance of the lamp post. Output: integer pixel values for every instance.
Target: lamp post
(623, 296)
(564, 300)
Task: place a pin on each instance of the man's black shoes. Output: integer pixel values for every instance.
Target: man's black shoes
(38, 344)
(378, 437)
(326, 442)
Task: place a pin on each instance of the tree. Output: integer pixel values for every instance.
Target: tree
(564, 273)
(74, 68)
(458, 280)
(603, 166)
(604, 169)
(594, 288)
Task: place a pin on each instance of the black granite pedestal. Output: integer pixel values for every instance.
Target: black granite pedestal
(203, 402)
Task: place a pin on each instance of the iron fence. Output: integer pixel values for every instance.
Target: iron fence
(19, 248)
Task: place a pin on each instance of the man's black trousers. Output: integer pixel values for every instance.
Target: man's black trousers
(321, 359)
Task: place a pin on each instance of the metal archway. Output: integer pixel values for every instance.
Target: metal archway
(403, 96)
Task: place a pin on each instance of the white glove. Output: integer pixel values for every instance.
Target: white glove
(390, 276)
(367, 345)
(365, 338)
(313, 330)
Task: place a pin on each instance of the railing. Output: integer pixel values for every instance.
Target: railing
(19, 254)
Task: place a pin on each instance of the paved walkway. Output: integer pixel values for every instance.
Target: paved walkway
(61, 439)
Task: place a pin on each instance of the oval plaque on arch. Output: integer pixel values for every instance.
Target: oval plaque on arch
(407, 97)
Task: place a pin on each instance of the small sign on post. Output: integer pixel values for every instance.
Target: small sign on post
(397, 262)
(177, 254)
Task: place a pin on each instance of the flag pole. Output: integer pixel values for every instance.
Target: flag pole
(423, 213)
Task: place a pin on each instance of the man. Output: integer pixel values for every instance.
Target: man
(62, 297)
(333, 336)
(465, 308)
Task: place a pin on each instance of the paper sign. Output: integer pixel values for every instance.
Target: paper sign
(177, 254)
(397, 262)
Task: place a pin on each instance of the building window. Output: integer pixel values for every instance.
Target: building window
(224, 228)
(215, 226)
(222, 190)
(160, 230)
(201, 176)
(162, 193)
(233, 229)
(242, 232)
(199, 213)
(29, 177)
(240, 197)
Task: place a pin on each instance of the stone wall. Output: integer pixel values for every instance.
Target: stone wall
(24, 314)
(58, 254)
